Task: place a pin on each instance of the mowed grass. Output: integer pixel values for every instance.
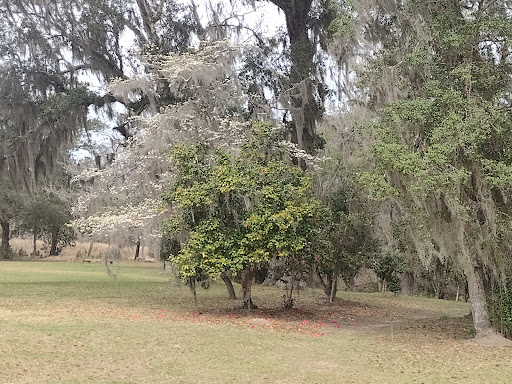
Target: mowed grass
(71, 323)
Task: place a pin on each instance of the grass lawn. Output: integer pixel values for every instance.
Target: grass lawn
(70, 323)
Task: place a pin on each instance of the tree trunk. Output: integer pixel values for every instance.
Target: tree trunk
(334, 285)
(247, 276)
(137, 250)
(34, 242)
(407, 283)
(478, 300)
(192, 286)
(437, 289)
(91, 244)
(326, 286)
(229, 285)
(4, 248)
(304, 108)
(288, 298)
(349, 283)
(53, 245)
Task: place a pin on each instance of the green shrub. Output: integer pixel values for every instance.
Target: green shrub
(501, 307)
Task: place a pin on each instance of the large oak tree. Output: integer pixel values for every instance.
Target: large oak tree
(442, 150)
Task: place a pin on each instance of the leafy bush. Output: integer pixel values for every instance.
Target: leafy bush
(501, 306)
(388, 268)
(48, 217)
(236, 209)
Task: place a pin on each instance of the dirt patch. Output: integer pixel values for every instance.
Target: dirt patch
(378, 317)
(491, 340)
(258, 321)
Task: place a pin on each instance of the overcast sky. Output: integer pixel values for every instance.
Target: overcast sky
(266, 15)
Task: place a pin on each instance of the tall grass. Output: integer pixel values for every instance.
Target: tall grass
(76, 252)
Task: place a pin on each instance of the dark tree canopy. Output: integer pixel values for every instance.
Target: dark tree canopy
(49, 51)
(442, 149)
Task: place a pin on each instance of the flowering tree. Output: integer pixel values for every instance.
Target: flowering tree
(123, 200)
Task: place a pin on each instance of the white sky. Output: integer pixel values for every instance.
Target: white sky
(266, 16)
